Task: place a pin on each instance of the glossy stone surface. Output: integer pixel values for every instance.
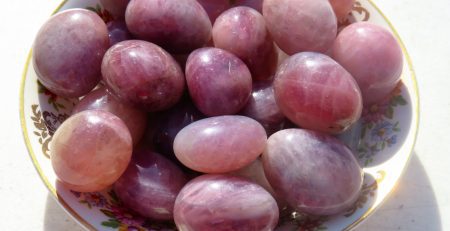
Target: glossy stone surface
(90, 150)
(263, 107)
(115, 7)
(220, 202)
(315, 92)
(150, 185)
(220, 144)
(68, 52)
(179, 26)
(342, 8)
(301, 25)
(255, 173)
(118, 32)
(143, 74)
(103, 99)
(373, 56)
(214, 7)
(255, 4)
(219, 82)
(314, 172)
(242, 31)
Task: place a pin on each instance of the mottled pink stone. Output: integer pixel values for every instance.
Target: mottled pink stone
(342, 8)
(315, 92)
(373, 56)
(255, 4)
(214, 7)
(179, 26)
(68, 52)
(220, 144)
(263, 107)
(223, 203)
(90, 150)
(143, 74)
(115, 7)
(301, 25)
(219, 82)
(118, 32)
(315, 173)
(103, 99)
(242, 31)
(150, 185)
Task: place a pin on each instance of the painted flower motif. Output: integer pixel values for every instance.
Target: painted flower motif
(391, 141)
(126, 218)
(382, 130)
(95, 199)
(375, 113)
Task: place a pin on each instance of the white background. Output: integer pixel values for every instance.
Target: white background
(421, 200)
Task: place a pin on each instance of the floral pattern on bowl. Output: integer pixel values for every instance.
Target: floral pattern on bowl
(382, 141)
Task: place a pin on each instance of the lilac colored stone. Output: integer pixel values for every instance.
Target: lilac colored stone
(342, 8)
(150, 185)
(373, 56)
(221, 202)
(90, 150)
(179, 26)
(219, 82)
(315, 92)
(263, 108)
(214, 7)
(143, 74)
(103, 99)
(115, 7)
(220, 144)
(242, 31)
(118, 32)
(68, 52)
(314, 172)
(301, 25)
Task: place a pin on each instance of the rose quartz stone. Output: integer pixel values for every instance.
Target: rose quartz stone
(220, 144)
(90, 150)
(179, 26)
(214, 7)
(219, 83)
(242, 31)
(315, 92)
(301, 25)
(115, 7)
(223, 203)
(143, 74)
(103, 99)
(68, 52)
(315, 173)
(342, 8)
(117, 32)
(373, 56)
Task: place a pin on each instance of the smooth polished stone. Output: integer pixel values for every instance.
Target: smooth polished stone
(301, 25)
(315, 92)
(90, 150)
(68, 52)
(221, 202)
(143, 74)
(118, 32)
(374, 58)
(103, 99)
(214, 7)
(150, 185)
(115, 7)
(220, 144)
(314, 172)
(219, 82)
(342, 8)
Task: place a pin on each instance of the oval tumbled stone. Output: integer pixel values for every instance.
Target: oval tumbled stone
(220, 144)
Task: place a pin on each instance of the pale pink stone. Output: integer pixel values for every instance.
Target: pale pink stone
(342, 8)
(90, 150)
(220, 144)
(373, 56)
(301, 25)
(224, 203)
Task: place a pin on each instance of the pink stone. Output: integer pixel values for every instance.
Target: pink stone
(373, 56)
(220, 144)
(242, 31)
(103, 99)
(342, 8)
(222, 203)
(315, 92)
(301, 25)
(90, 150)
(115, 7)
(117, 32)
(214, 7)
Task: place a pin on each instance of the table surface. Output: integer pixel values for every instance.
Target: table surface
(421, 201)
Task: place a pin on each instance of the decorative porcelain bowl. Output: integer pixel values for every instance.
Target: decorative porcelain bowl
(382, 140)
